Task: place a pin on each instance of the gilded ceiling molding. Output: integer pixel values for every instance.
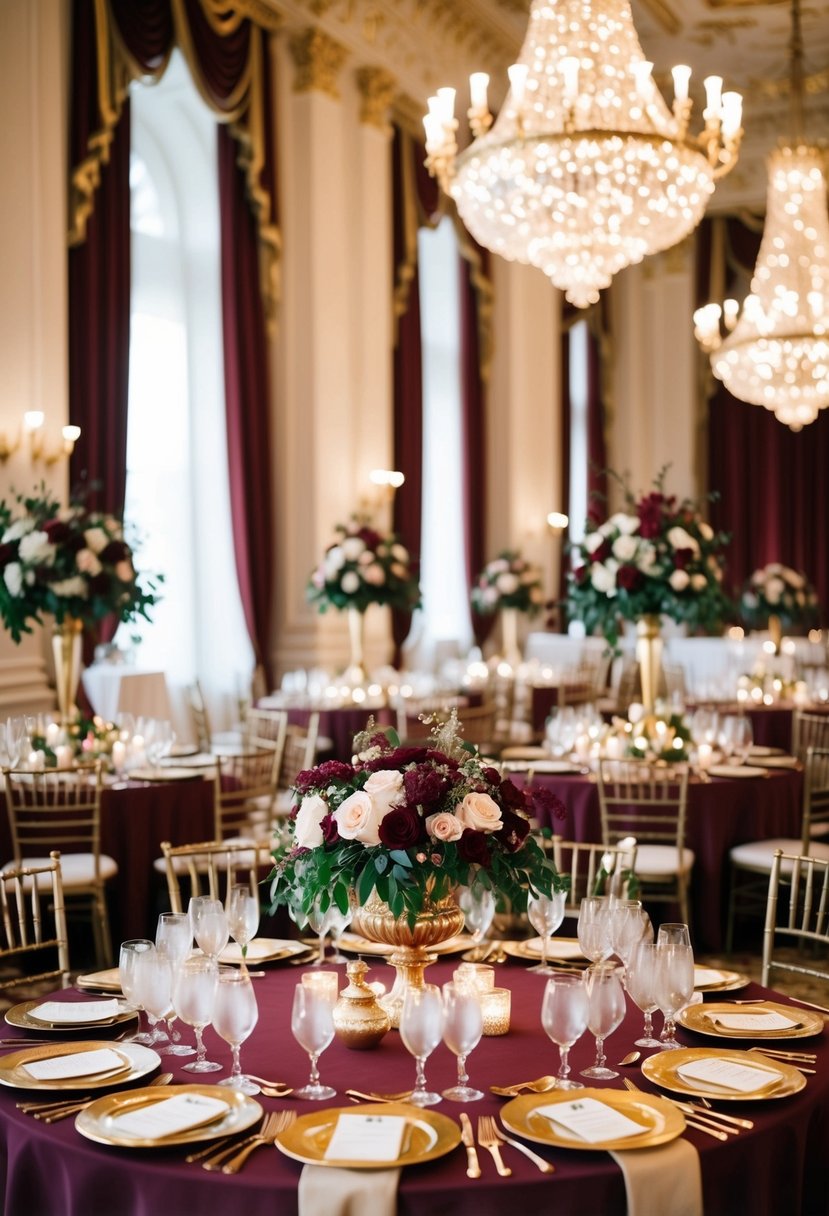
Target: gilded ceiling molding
(662, 12)
(318, 60)
(377, 90)
(261, 12)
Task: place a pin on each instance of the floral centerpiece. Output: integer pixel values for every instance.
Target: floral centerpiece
(642, 736)
(508, 581)
(67, 562)
(657, 557)
(361, 566)
(83, 739)
(778, 591)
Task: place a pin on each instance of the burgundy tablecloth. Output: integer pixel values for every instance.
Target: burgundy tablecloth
(780, 1166)
(721, 814)
(341, 725)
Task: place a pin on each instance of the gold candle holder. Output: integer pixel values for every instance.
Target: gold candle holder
(326, 983)
(495, 1006)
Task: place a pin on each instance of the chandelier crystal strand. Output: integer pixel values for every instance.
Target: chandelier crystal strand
(586, 169)
(776, 352)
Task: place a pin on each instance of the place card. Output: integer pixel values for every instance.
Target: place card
(765, 1020)
(591, 1120)
(366, 1138)
(156, 1120)
(728, 1074)
(707, 975)
(75, 1064)
(60, 1013)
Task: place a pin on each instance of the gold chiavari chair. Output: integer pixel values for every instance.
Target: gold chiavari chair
(300, 753)
(213, 868)
(808, 730)
(244, 794)
(806, 920)
(594, 869)
(33, 926)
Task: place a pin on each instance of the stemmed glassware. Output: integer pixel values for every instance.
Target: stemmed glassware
(564, 1018)
(194, 996)
(127, 968)
(338, 923)
(421, 1027)
(463, 1025)
(15, 734)
(736, 737)
(640, 981)
(243, 916)
(674, 986)
(593, 928)
(321, 921)
(312, 1024)
(605, 1011)
(545, 913)
(629, 924)
(210, 927)
(478, 906)
(174, 938)
(154, 984)
(671, 934)
(234, 1016)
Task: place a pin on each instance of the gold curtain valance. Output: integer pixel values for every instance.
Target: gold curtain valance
(243, 110)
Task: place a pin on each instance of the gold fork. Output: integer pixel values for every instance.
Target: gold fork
(544, 1166)
(488, 1138)
(51, 1112)
(216, 1158)
(274, 1124)
(696, 1121)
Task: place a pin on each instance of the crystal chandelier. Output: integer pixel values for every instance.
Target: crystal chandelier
(776, 352)
(585, 170)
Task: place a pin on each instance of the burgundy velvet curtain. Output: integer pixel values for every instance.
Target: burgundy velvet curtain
(473, 437)
(770, 481)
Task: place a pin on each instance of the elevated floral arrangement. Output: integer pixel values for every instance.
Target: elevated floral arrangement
(67, 562)
(508, 581)
(777, 590)
(412, 824)
(363, 566)
(657, 557)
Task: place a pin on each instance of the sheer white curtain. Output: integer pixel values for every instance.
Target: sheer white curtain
(177, 481)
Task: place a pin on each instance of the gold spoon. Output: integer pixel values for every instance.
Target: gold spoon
(539, 1086)
(630, 1058)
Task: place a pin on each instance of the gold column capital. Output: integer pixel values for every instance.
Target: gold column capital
(378, 88)
(318, 60)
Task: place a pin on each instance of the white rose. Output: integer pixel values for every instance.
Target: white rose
(489, 596)
(592, 541)
(636, 712)
(71, 586)
(444, 826)
(36, 547)
(498, 565)
(350, 582)
(479, 812)
(400, 553)
(385, 788)
(774, 589)
(307, 829)
(88, 562)
(358, 818)
(353, 546)
(507, 584)
(366, 558)
(679, 580)
(333, 560)
(699, 582)
(603, 579)
(624, 547)
(626, 524)
(678, 538)
(13, 578)
(374, 574)
(96, 539)
(646, 558)
(706, 531)
(19, 528)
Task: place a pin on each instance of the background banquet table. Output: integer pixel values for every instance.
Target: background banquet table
(339, 725)
(721, 814)
(780, 1166)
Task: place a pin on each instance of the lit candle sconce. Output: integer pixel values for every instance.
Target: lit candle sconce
(33, 426)
(389, 480)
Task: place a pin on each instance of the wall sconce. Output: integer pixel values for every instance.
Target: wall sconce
(557, 522)
(388, 481)
(33, 421)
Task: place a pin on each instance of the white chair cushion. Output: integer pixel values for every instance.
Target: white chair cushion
(660, 861)
(78, 870)
(759, 854)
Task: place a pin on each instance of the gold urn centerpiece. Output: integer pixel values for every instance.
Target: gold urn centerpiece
(392, 836)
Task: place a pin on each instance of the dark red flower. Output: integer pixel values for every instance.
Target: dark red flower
(313, 778)
(492, 775)
(424, 785)
(511, 795)
(99, 584)
(330, 831)
(581, 575)
(548, 806)
(369, 537)
(629, 578)
(115, 551)
(8, 553)
(603, 552)
(682, 557)
(649, 509)
(473, 848)
(57, 531)
(401, 829)
(513, 832)
(75, 542)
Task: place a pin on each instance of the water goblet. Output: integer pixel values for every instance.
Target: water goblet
(127, 966)
(321, 921)
(564, 1018)
(421, 1027)
(463, 1025)
(640, 981)
(674, 987)
(234, 1016)
(673, 935)
(312, 1025)
(478, 906)
(194, 996)
(15, 733)
(243, 916)
(593, 928)
(545, 913)
(210, 927)
(339, 922)
(154, 983)
(605, 1011)
(629, 923)
(174, 938)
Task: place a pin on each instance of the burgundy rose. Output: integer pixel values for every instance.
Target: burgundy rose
(581, 575)
(629, 578)
(492, 775)
(595, 513)
(424, 785)
(649, 510)
(401, 829)
(369, 537)
(513, 832)
(8, 553)
(313, 778)
(682, 557)
(603, 552)
(57, 531)
(115, 551)
(397, 758)
(76, 542)
(330, 832)
(99, 584)
(511, 795)
(473, 848)
(547, 804)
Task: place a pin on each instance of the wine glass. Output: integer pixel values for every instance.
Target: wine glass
(463, 1025)
(321, 921)
(640, 981)
(673, 935)
(564, 1018)
(545, 913)
(421, 1027)
(127, 964)
(312, 1024)
(234, 1016)
(194, 995)
(674, 987)
(605, 1010)
(594, 928)
(174, 938)
(154, 983)
(339, 922)
(478, 906)
(210, 927)
(243, 916)
(741, 738)
(629, 923)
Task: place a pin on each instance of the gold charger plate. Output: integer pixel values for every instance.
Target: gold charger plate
(559, 950)
(430, 1135)
(737, 771)
(101, 981)
(784, 762)
(157, 775)
(660, 1120)
(19, 1015)
(731, 981)
(138, 1062)
(663, 1069)
(262, 950)
(699, 1018)
(96, 1122)
(352, 943)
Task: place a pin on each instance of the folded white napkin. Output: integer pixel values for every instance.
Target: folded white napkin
(68, 1013)
(327, 1191)
(663, 1181)
(75, 1064)
(728, 1074)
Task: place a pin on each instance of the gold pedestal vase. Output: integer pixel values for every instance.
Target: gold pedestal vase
(649, 658)
(509, 637)
(355, 673)
(776, 632)
(67, 638)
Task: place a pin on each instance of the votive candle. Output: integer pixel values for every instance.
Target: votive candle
(326, 983)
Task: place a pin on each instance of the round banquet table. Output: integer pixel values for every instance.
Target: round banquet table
(782, 1165)
(339, 725)
(722, 812)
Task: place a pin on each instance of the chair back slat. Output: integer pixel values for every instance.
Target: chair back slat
(244, 792)
(56, 809)
(809, 730)
(29, 896)
(806, 917)
(300, 750)
(584, 864)
(213, 868)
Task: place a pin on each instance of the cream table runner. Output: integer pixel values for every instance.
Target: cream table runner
(325, 1191)
(663, 1181)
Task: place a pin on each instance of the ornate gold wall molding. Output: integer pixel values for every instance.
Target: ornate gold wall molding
(377, 88)
(318, 60)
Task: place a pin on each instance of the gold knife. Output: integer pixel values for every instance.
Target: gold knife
(473, 1169)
